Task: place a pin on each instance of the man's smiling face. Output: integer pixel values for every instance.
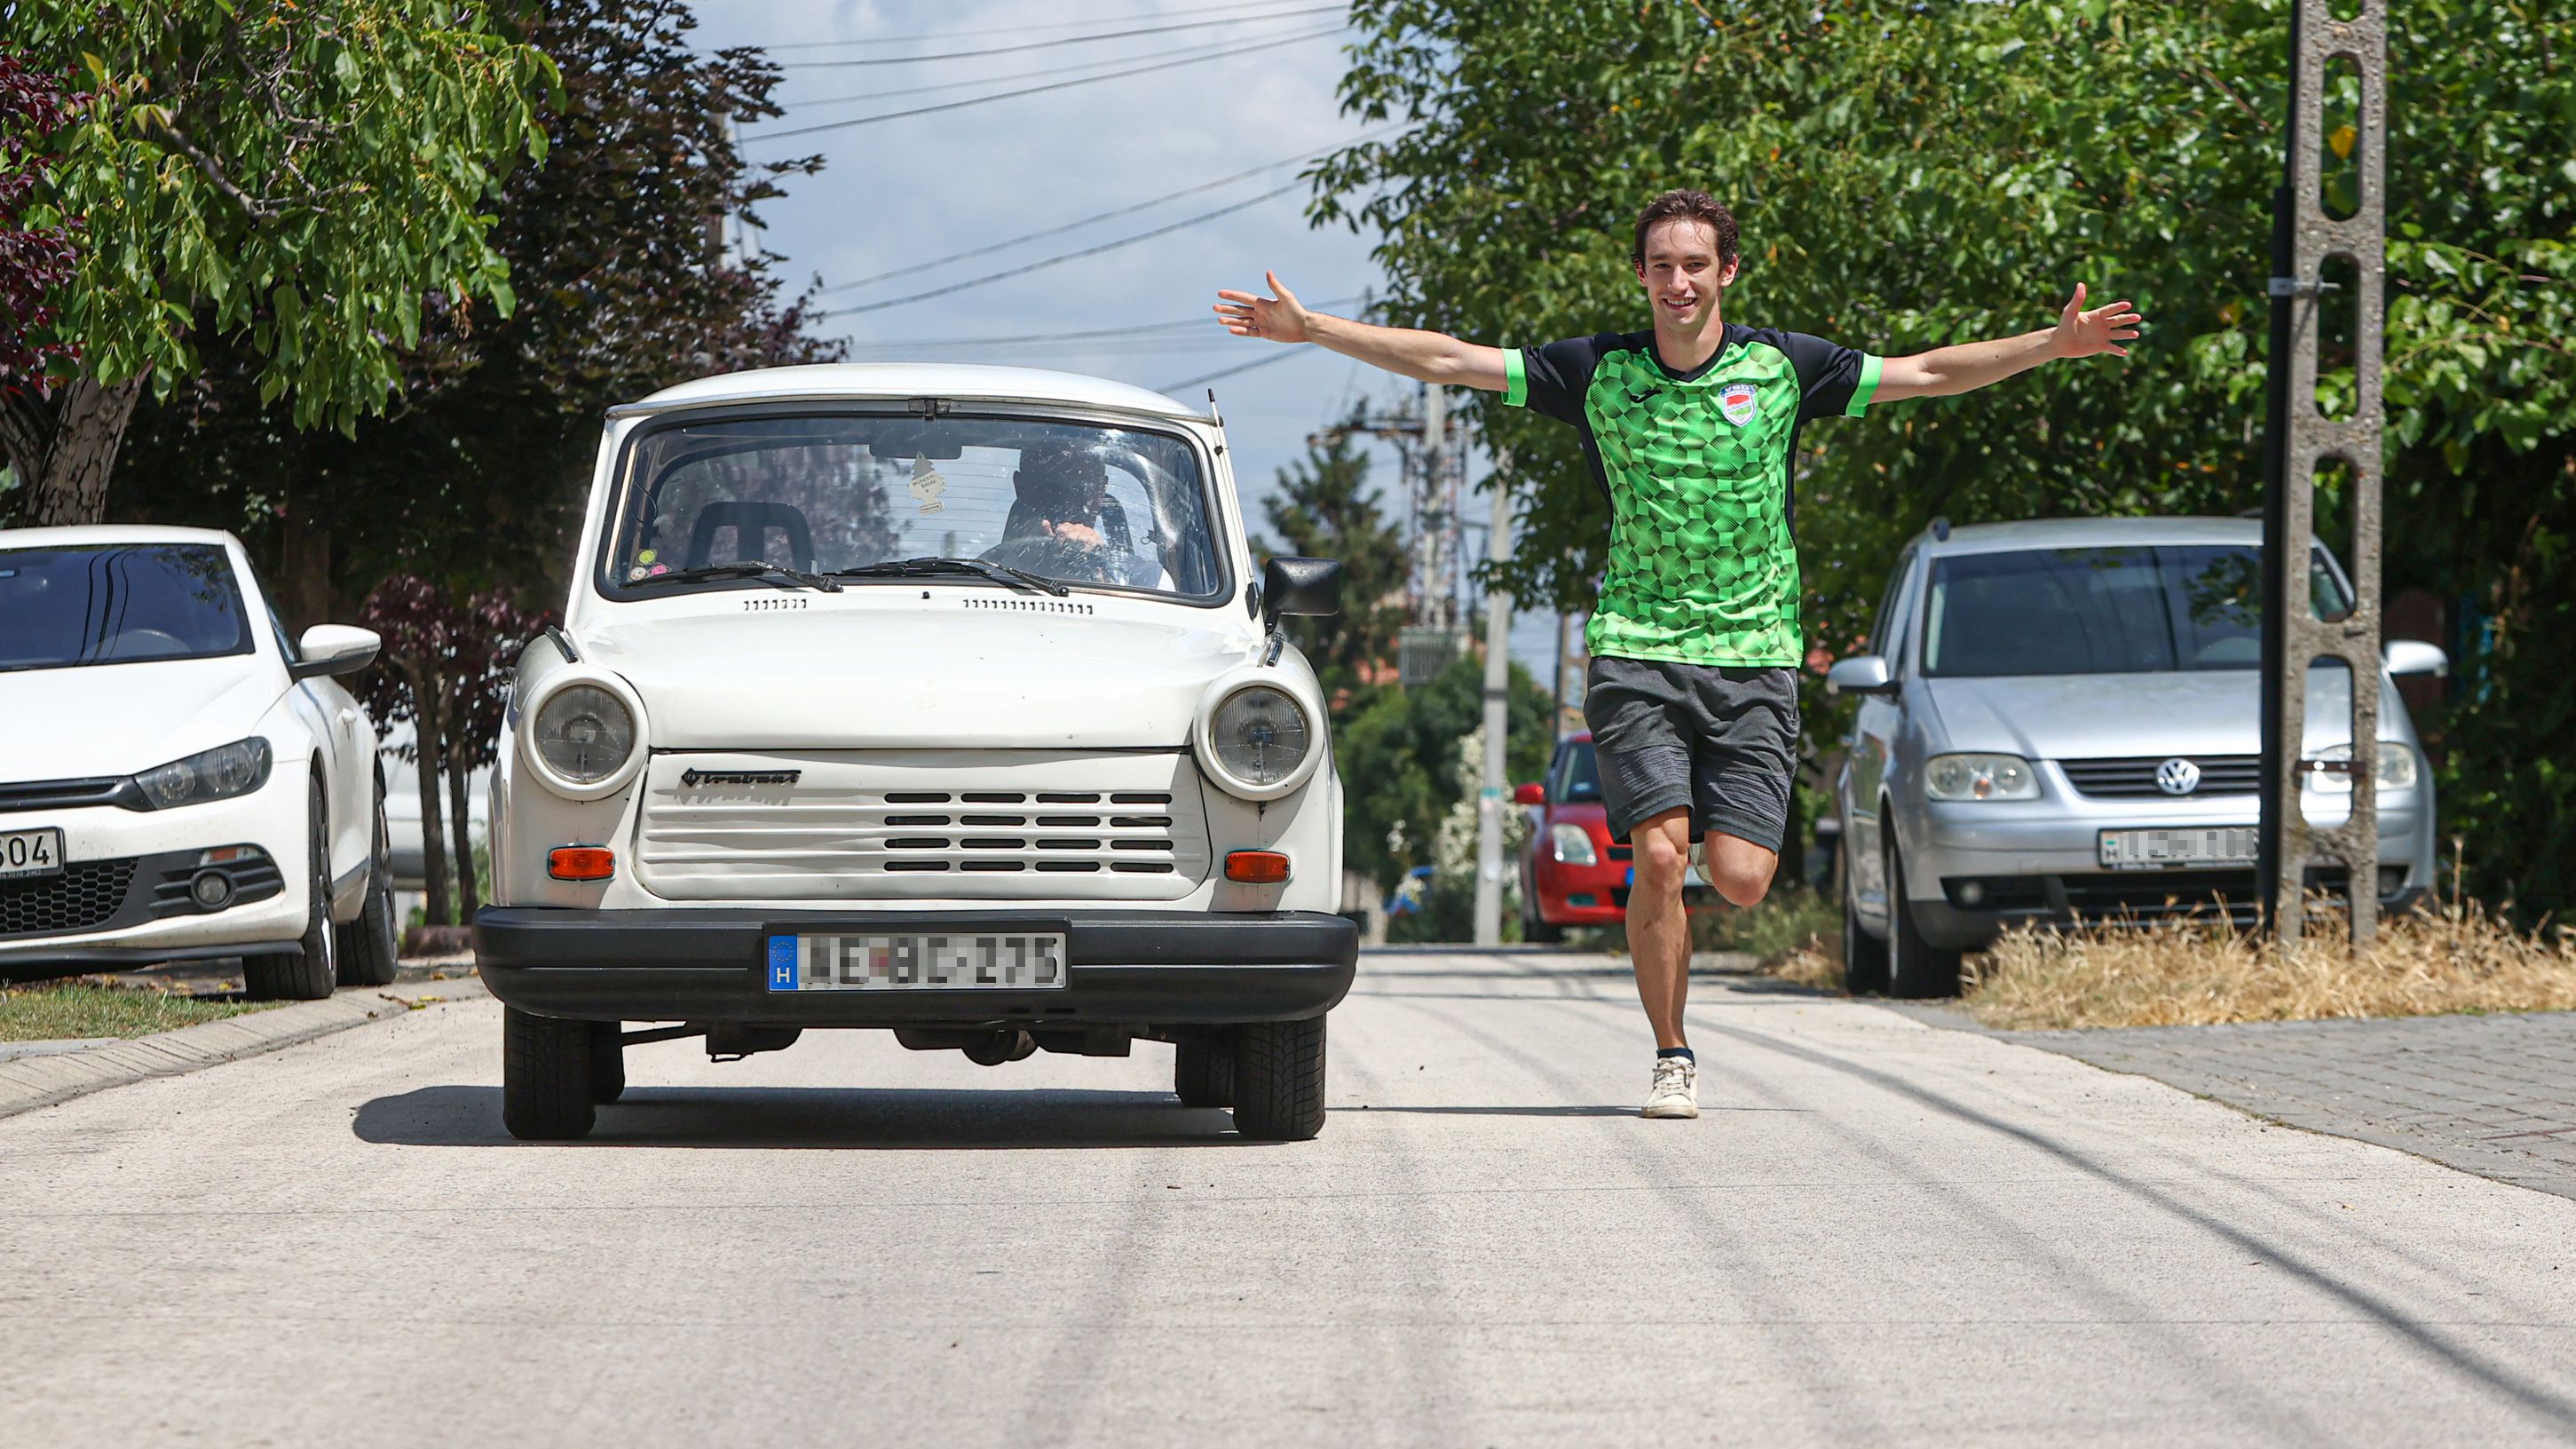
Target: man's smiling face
(1682, 274)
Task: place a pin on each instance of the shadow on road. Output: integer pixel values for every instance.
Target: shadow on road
(1373, 1109)
(826, 1117)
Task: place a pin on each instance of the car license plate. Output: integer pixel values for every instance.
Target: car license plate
(2177, 849)
(916, 963)
(31, 852)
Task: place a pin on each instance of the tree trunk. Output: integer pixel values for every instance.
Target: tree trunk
(1793, 839)
(469, 891)
(304, 565)
(64, 450)
(433, 833)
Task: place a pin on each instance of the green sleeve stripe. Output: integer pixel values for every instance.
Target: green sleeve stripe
(1867, 389)
(1515, 378)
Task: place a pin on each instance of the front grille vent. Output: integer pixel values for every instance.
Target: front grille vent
(83, 898)
(2135, 779)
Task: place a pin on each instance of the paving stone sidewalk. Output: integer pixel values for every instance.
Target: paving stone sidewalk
(2493, 1095)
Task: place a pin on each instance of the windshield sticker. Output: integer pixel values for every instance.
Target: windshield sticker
(927, 485)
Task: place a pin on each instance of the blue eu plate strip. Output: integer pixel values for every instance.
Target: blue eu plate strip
(782, 963)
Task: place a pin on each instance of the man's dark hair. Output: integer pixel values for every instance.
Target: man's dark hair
(1691, 205)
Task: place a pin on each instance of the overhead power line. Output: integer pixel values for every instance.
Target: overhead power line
(1035, 90)
(1060, 259)
(1111, 215)
(1139, 330)
(1201, 47)
(1282, 355)
(1041, 25)
(1062, 40)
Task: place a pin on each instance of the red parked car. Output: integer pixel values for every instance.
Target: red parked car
(1571, 875)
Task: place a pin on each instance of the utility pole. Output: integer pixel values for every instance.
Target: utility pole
(1492, 800)
(1432, 522)
(2298, 437)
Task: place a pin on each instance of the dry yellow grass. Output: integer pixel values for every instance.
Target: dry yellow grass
(2185, 973)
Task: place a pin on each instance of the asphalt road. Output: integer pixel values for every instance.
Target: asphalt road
(1880, 1232)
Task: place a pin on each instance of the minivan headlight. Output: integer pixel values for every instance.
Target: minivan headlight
(1259, 735)
(583, 733)
(2396, 769)
(1980, 777)
(216, 774)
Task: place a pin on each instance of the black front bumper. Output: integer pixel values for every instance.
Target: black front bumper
(1123, 968)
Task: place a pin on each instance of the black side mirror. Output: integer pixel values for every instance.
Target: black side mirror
(1307, 587)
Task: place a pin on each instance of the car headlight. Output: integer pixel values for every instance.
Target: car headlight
(1980, 777)
(1573, 844)
(583, 733)
(2396, 769)
(216, 774)
(1259, 735)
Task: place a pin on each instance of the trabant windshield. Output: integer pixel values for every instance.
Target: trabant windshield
(2162, 609)
(120, 603)
(1088, 505)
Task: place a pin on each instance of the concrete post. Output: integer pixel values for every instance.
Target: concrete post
(1495, 798)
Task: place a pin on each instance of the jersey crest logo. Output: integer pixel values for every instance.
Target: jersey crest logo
(1736, 401)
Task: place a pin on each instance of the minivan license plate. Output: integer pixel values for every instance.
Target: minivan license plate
(1027, 962)
(2177, 849)
(30, 852)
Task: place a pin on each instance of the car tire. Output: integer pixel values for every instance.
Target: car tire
(546, 1080)
(607, 1061)
(1915, 968)
(1538, 932)
(370, 953)
(313, 973)
(1864, 955)
(1203, 1069)
(1279, 1080)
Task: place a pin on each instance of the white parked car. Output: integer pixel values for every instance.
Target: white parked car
(178, 779)
(941, 699)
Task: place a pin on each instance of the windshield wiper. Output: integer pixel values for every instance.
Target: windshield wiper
(747, 569)
(999, 573)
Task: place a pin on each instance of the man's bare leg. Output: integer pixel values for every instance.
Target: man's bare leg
(1658, 935)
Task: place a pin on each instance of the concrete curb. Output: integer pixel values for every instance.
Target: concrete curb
(29, 1082)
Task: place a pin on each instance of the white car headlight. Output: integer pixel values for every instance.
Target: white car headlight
(216, 774)
(2396, 769)
(1572, 844)
(1258, 740)
(584, 733)
(1980, 777)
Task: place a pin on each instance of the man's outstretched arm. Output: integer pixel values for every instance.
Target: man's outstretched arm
(1422, 356)
(1944, 371)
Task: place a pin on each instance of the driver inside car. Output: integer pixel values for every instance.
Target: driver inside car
(1057, 527)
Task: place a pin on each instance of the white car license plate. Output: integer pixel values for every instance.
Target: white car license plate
(2177, 849)
(998, 962)
(30, 852)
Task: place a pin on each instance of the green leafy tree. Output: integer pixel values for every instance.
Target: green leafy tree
(304, 175)
(1325, 508)
(1398, 753)
(1909, 175)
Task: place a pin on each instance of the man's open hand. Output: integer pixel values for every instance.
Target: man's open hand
(1278, 318)
(2082, 334)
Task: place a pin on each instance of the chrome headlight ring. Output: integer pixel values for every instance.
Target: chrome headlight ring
(1287, 712)
(545, 731)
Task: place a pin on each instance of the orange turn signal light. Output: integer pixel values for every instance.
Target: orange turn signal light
(1256, 867)
(581, 862)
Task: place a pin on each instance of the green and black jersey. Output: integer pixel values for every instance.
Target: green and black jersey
(1696, 467)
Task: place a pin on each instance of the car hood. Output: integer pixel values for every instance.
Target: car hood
(118, 719)
(959, 678)
(2114, 716)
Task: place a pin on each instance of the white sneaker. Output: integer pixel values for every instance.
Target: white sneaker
(1676, 1089)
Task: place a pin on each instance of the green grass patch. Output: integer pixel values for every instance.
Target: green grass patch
(56, 1010)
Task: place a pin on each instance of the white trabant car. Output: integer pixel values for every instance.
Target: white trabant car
(179, 779)
(942, 699)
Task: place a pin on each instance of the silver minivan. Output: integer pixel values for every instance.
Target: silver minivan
(2062, 724)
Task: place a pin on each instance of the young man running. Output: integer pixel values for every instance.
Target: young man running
(1690, 429)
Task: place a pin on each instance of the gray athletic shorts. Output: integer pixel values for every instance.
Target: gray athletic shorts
(1719, 742)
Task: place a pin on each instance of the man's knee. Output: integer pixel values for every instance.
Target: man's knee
(1662, 854)
(1743, 887)
(1741, 873)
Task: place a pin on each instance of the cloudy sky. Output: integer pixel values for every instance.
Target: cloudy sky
(1237, 87)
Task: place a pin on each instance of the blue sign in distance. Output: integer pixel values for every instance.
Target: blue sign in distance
(782, 963)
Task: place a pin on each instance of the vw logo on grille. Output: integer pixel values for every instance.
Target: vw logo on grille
(2177, 777)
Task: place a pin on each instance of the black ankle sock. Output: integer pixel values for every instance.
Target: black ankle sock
(1683, 1052)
